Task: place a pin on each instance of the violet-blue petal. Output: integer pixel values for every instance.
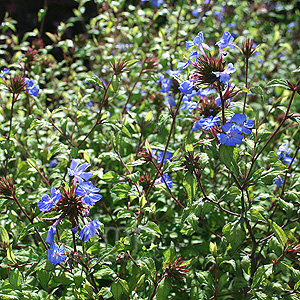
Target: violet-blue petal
(51, 235)
(56, 254)
(89, 230)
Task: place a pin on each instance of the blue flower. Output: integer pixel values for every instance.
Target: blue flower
(161, 154)
(176, 72)
(167, 178)
(232, 135)
(241, 123)
(283, 149)
(32, 87)
(198, 42)
(206, 123)
(78, 171)
(189, 105)
(170, 102)
(89, 229)
(88, 192)
(224, 76)
(4, 71)
(51, 234)
(184, 65)
(56, 254)
(157, 3)
(186, 87)
(279, 181)
(166, 85)
(53, 163)
(226, 41)
(46, 203)
(283, 153)
(218, 102)
(206, 92)
(196, 13)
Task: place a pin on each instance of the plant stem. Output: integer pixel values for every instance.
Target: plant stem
(167, 144)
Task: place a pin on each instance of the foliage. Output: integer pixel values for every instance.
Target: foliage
(138, 162)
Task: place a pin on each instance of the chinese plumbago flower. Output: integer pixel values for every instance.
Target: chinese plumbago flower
(283, 154)
(56, 254)
(89, 229)
(186, 87)
(184, 65)
(226, 41)
(224, 76)
(47, 202)
(88, 193)
(160, 155)
(232, 135)
(198, 42)
(172, 73)
(167, 178)
(170, 102)
(206, 123)
(32, 88)
(241, 123)
(4, 71)
(279, 181)
(206, 92)
(73, 204)
(78, 171)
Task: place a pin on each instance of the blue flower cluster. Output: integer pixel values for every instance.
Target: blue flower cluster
(187, 87)
(166, 176)
(83, 194)
(233, 130)
(283, 154)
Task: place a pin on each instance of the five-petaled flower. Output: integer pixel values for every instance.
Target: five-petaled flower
(283, 153)
(78, 171)
(56, 254)
(32, 88)
(224, 76)
(232, 135)
(206, 123)
(89, 229)
(226, 41)
(47, 202)
(241, 123)
(186, 87)
(88, 193)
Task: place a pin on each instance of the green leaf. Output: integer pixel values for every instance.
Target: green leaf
(170, 254)
(261, 274)
(147, 265)
(10, 255)
(190, 185)
(126, 131)
(235, 233)
(118, 288)
(95, 80)
(148, 116)
(4, 237)
(15, 279)
(279, 233)
(229, 156)
(121, 189)
(255, 215)
(154, 227)
(278, 82)
(142, 201)
(44, 277)
(163, 289)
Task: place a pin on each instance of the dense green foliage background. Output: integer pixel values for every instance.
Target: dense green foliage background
(235, 243)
